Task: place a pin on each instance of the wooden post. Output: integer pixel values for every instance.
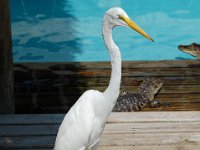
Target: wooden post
(7, 104)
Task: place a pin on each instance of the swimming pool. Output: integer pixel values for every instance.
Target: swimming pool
(70, 30)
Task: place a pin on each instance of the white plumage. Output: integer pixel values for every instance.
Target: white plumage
(85, 121)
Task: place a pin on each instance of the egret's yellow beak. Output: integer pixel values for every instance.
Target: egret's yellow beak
(135, 27)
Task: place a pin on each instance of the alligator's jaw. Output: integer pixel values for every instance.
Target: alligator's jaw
(192, 49)
(185, 49)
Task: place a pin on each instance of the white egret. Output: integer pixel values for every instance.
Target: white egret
(85, 121)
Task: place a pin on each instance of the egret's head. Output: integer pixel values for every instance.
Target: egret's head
(117, 17)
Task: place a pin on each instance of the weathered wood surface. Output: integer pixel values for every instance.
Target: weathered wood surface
(54, 87)
(6, 75)
(124, 131)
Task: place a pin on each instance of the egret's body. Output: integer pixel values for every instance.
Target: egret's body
(81, 127)
(85, 121)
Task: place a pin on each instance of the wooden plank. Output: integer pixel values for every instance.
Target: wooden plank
(48, 104)
(148, 72)
(75, 69)
(129, 140)
(132, 81)
(45, 100)
(184, 89)
(152, 128)
(136, 129)
(115, 117)
(6, 74)
(176, 107)
(29, 130)
(46, 83)
(65, 108)
(121, 140)
(154, 116)
(27, 142)
(31, 119)
(149, 135)
(151, 147)
(106, 65)
(36, 145)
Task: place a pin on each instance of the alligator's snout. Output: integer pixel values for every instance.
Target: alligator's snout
(192, 49)
(182, 47)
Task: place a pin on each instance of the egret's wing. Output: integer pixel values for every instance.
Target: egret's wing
(77, 125)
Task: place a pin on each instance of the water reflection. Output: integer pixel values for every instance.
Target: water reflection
(67, 30)
(183, 58)
(44, 31)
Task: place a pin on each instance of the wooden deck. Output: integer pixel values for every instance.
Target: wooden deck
(54, 87)
(124, 131)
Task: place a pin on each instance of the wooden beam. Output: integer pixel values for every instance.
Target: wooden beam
(6, 74)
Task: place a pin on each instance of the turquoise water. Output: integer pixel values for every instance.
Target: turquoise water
(70, 30)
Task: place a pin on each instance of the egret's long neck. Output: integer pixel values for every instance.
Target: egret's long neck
(114, 86)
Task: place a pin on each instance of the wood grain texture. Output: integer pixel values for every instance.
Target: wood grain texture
(55, 87)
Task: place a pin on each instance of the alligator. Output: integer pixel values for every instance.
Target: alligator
(192, 49)
(144, 97)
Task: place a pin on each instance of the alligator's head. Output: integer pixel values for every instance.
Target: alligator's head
(192, 49)
(150, 87)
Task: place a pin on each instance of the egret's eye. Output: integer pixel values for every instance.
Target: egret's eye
(120, 17)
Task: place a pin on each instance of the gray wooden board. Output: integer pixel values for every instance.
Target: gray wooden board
(31, 119)
(123, 131)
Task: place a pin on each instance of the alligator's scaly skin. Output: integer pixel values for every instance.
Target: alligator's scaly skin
(192, 49)
(128, 102)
